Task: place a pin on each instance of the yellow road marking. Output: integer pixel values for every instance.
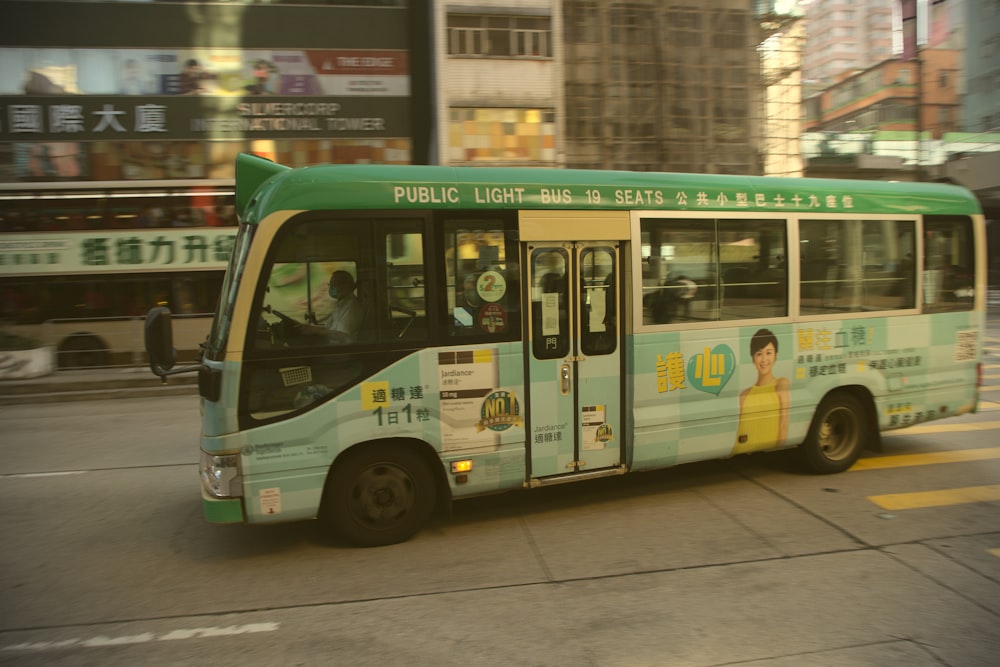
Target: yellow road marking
(944, 428)
(995, 552)
(942, 498)
(929, 458)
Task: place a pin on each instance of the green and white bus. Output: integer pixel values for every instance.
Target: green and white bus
(516, 328)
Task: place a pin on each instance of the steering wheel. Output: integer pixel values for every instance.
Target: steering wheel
(285, 318)
(284, 329)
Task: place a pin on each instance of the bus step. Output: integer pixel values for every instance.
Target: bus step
(536, 482)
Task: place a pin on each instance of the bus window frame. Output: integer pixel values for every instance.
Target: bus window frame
(367, 270)
(793, 262)
(637, 287)
(506, 220)
(795, 257)
(934, 306)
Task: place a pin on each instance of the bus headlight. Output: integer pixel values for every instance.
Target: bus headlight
(220, 475)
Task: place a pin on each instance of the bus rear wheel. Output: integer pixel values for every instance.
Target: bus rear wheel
(379, 495)
(837, 434)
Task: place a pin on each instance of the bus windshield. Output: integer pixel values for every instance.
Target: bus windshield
(227, 300)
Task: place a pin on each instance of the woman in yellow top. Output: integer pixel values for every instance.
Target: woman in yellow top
(764, 405)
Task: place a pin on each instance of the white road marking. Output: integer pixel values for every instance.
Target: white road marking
(46, 474)
(143, 638)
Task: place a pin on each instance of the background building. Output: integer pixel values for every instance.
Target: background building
(895, 95)
(846, 35)
(645, 85)
(783, 33)
(659, 85)
(982, 67)
(499, 97)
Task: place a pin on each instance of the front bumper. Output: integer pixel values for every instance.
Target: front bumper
(222, 510)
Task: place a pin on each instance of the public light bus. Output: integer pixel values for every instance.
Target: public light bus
(82, 262)
(527, 327)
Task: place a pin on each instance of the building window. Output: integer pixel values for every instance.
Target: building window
(501, 135)
(487, 36)
(582, 23)
(685, 28)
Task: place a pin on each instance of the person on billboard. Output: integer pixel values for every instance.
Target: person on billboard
(193, 78)
(763, 405)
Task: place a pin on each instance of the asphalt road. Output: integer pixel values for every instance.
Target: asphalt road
(105, 560)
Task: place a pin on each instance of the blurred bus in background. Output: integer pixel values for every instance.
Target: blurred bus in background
(81, 263)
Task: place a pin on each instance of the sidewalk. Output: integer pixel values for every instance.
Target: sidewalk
(95, 384)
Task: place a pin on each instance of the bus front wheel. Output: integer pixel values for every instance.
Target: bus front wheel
(379, 495)
(837, 434)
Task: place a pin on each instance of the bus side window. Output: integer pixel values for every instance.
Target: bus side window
(680, 270)
(406, 283)
(754, 273)
(482, 298)
(713, 269)
(856, 265)
(949, 264)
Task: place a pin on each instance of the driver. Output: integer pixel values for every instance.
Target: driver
(344, 322)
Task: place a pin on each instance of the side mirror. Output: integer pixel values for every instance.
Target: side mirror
(160, 340)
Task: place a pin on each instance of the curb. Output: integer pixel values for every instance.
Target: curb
(98, 394)
(103, 384)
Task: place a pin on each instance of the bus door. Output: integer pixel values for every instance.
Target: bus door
(574, 354)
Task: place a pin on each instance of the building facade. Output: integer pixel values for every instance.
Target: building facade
(846, 35)
(894, 95)
(657, 85)
(498, 83)
(982, 67)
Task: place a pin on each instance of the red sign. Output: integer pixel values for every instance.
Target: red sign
(492, 318)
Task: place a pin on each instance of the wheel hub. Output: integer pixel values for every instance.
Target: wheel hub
(382, 496)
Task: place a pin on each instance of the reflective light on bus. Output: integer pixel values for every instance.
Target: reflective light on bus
(462, 466)
(220, 475)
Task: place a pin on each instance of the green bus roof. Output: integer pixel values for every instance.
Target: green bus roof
(263, 187)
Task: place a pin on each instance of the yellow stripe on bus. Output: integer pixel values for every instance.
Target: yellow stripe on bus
(930, 458)
(944, 428)
(942, 498)
(985, 389)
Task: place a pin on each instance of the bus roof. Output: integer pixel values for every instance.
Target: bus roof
(263, 187)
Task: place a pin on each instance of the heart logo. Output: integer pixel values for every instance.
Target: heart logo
(710, 370)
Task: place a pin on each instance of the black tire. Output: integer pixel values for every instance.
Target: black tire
(82, 350)
(837, 435)
(378, 495)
